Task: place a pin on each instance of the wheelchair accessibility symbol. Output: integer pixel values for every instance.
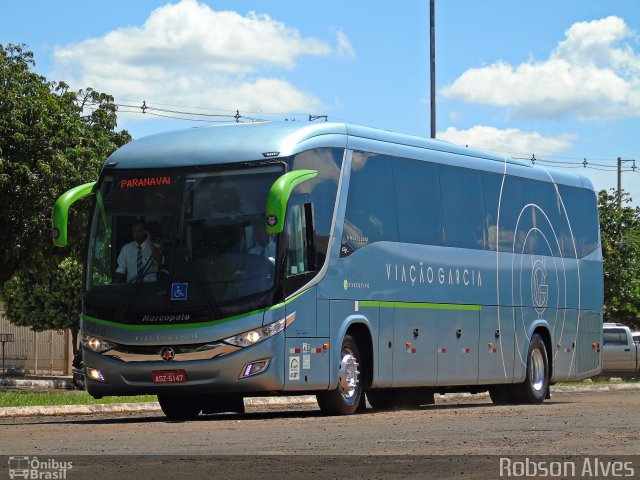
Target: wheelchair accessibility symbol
(179, 291)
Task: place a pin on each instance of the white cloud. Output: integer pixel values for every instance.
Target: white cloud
(187, 53)
(345, 49)
(590, 75)
(510, 140)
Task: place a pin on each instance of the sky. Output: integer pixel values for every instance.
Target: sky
(554, 80)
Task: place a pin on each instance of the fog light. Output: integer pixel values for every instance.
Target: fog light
(95, 374)
(254, 368)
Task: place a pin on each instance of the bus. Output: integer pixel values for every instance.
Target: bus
(335, 260)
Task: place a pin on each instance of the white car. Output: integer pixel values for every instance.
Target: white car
(620, 352)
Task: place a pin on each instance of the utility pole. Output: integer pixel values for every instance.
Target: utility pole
(432, 18)
(633, 169)
(619, 181)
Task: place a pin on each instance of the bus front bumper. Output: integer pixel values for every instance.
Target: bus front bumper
(225, 374)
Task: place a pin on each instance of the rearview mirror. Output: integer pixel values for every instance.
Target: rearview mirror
(60, 214)
(279, 197)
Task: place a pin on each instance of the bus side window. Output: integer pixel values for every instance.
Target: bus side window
(462, 207)
(300, 257)
(370, 214)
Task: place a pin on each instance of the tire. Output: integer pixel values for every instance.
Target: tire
(180, 407)
(399, 398)
(349, 396)
(536, 383)
(78, 381)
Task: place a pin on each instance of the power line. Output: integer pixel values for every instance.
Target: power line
(204, 115)
(585, 164)
(211, 109)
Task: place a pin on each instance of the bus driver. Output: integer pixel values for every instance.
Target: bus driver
(138, 256)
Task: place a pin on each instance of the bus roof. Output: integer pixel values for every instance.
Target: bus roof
(250, 142)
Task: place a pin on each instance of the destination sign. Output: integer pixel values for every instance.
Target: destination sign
(144, 182)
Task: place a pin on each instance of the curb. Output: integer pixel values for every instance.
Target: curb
(59, 383)
(262, 401)
(136, 407)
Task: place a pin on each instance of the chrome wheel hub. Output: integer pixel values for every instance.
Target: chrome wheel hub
(348, 374)
(536, 370)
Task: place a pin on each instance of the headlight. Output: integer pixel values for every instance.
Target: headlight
(252, 337)
(96, 344)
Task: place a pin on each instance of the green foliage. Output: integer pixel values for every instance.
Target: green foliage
(48, 299)
(620, 234)
(51, 140)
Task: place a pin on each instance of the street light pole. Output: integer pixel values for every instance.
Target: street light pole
(432, 15)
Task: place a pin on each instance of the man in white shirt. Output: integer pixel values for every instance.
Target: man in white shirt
(264, 246)
(137, 257)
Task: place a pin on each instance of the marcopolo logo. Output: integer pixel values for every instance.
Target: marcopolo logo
(35, 468)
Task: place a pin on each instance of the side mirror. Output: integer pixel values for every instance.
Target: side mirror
(60, 215)
(279, 197)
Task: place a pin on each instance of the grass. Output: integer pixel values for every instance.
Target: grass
(596, 381)
(31, 399)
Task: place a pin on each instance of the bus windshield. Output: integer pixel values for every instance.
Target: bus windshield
(180, 246)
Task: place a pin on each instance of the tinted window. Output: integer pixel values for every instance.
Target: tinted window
(418, 202)
(582, 209)
(463, 207)
(491, 184)
(322, 189)
(540, 220)
(511, 206)
(371, 210)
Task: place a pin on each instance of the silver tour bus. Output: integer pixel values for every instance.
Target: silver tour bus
(283, 258)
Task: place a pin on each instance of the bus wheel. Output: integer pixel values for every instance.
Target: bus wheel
(347, 397)
(180, 407)
(536, 383)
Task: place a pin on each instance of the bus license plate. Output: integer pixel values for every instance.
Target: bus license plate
(169, 376)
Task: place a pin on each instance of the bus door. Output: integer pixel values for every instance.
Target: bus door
(307, 364)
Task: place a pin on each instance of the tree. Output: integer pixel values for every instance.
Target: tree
(51, 139)
(52, 296)
(620, 234)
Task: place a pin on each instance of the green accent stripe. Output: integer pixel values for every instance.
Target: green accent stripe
(288, 300)
(175, 326)
(428, 306)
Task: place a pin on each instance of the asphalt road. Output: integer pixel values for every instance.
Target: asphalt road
(583, 424)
